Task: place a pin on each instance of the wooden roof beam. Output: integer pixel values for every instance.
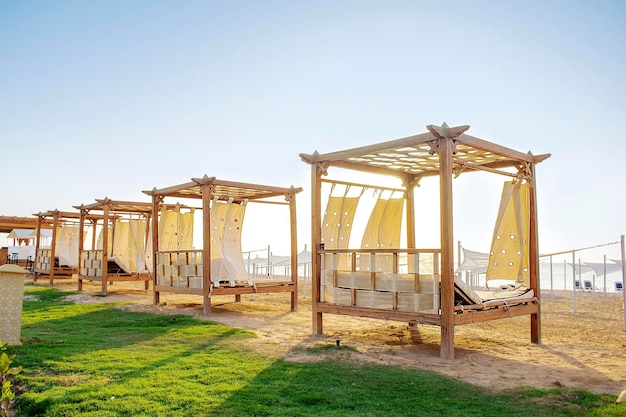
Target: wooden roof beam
(171, 190)
(499, 149)
(349, 153)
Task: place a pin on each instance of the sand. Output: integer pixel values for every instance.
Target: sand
(581, 349)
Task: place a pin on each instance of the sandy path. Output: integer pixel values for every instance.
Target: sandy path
(579, 350)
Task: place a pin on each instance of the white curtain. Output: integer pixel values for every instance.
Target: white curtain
(508, 258)
(382, 231)
(66, 247)
(129, 238)
(226, 259)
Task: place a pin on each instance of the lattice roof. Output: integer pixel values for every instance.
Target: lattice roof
(116, 206)
(223, 190)
(417, 155)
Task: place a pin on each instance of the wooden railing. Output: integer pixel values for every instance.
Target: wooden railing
(179, 269)
(389, 279)
(90, 263)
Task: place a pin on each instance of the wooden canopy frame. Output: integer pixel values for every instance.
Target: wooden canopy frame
(93, 263)
(207, 189)
(45, 258)
(445, 152)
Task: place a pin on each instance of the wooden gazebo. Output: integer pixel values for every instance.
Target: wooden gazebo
(47, 261)
(444, 152)
(189, 270)
(97, 263)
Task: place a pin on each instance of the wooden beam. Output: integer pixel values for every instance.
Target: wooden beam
(342, 155)
(447, 248)
(156, 200)
(105, 246)
(316, 239)
(8, 223)
(494, 148)
(294, 247)
(207, 195)
(533, 264)
(420, 318)
(496, 313)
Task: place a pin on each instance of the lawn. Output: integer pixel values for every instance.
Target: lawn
(98, 360)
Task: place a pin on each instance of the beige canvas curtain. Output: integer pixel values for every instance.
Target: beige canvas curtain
(382, 231)
(176, 230)
(337, 224)
(226, 258)
(128, 246)
(508, 258)
(66, 245)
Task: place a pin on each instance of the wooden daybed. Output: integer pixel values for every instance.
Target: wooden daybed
(190, 271)
(97, 264)
(47, 260)
(420, 287)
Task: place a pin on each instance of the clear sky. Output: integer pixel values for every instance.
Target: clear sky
(114, 97)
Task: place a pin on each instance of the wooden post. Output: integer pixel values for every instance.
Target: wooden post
(81, 246)
(623, 253)
(156, 295)
(53, 246)
(105, 247)
(445, 146)
(39, 223)
(533, 261)
(316, 237)
(409, 197)
(145, 244)
(207, 194)
(294, 248)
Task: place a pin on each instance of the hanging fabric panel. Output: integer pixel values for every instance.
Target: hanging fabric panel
(226, 258)
(382, 231)
(66, 248)
(337, 226)
(137, 244)
(508, 258)
(218, 219)
(128, 245)
(176, 230)
(337, 222)
(232, 243)
(120, 238)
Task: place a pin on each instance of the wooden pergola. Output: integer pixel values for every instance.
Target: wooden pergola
(46, 259)
(445, 152)
(93, 262)
(8, 223)
(208, 189)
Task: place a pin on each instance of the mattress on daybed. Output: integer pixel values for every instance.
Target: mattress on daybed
(116, 266)
(464, 294)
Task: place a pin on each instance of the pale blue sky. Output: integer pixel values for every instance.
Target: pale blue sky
(111, 98)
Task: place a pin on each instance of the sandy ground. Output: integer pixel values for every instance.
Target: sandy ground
(584, 349)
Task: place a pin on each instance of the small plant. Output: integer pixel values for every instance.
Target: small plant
(7, 395)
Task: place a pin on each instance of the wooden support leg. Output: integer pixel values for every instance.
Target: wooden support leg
(156, 297)
(416, 336)
(147, 284)
(207, 305)
(237, 298)
(294, 301)
(80, 284)
(535, 328)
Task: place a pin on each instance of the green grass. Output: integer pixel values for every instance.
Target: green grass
(96, 360)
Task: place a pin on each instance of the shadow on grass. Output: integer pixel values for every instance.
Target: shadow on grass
(79, 349)
(94, 359)
(331, 389)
